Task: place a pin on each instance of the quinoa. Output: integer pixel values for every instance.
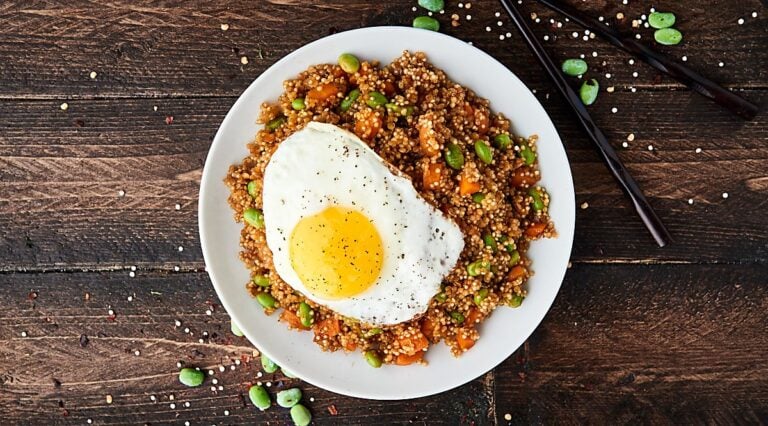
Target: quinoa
(495, 204)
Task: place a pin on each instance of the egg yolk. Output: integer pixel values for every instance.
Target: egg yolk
(336, 253)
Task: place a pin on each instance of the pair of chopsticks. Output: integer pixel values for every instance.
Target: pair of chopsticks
(676, 70)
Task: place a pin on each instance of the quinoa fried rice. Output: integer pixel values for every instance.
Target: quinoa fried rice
(426, 122)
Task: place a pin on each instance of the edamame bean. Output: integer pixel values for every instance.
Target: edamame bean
(441, 297)
(483, 152)
(511, 246)
(537, 203)
(306, 314)
(259, 397)
(480, 296)
(273, 124)
(346, 104)
(426, 23)
(298, 104)
(478, 197)
(516, 301)
(235, 329)
(476, 268)
(489, 241)
(252, 189)
(268, 365)
(254, 217)
(432, 5)
(288, 374)
(574, 67)
(191, 377)
(289, 397)
(266, 300)
(349, 63)
(261, 280)
(588, 91)
(372, 332)
(300, 415)
(502, 141)
(527, 154)
(403, 111)
(376, 99)
(457, 317)
(514, 258)
(661, 20)
(668, 36)
(453, 156)
(373, 358)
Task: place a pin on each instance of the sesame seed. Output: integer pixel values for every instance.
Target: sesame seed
(178, 206)
(187, 404)
(137, 353)
(208, 312)
(131, 274)
(215, 381)
(154, 108)
(469, 17)
(721, 64)
(226, 412)
(177, 323)
(635, 74)
(507, 417)
(625, 145)
(546, 38)
(23, 334)
(690, 201)
(121, 193)
(176, 268)
(172, 405)
(631, 62)
(312, 399)
(186, 423)
(607, 75)
(754, 14)
(650, 147)
(614, 110)
(186, 329)
(575, 34)
(152, 398)
(741, 21)
(221, 368)
(181, 248)
(178, 364)
(221, 388)
(698, 150)
(111, 312)
(685, 58)
(725, 195)
(638, 36)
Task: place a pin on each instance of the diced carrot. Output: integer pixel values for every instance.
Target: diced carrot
(524, 177)
(482, 121)
(535, 229)
(328, 327)
(404, 359)
(464, 340)
(267, 137)
(368, 124)
(468, 187)
(473, 316)
(469, 112)
(516, 273)
(414, 344)
(323, 94)
(350, 345)
(428, 143)
(428, 328)
(292, 320)
(432, 174)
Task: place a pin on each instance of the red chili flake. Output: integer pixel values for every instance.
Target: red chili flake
(65, 412)
(332, 409)
(112, 317)
(522, 376)
(168, 119)
(32, 295)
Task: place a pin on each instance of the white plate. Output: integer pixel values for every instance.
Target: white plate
(349, 374)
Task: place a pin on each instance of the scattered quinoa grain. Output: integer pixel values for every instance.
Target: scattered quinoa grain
(244, 60)
(224, 27)
(584, 205)
(64, 106)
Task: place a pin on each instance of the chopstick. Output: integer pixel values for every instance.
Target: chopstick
(606, 151)
(704, 86)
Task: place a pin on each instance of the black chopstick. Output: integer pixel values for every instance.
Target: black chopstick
(706, 87)
(627, 183)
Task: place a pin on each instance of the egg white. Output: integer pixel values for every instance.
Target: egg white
(322, 166)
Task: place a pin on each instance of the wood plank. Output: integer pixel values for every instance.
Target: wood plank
(178, 49)
(647, 344)
(56, 375)
(61, 174)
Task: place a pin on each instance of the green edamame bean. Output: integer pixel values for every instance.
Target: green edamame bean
(453, 156)
(426, 23)
(268, 365)
(349, 63)
(288, 374)
(346, 104)
(574, 67)
(289, 397)
(480, 296)
(511, 246)
(252, 189)
(483, 152)
(191, 377)
(516, 301)
(273, 124)
(373, 359)
(259, 397)
(476, 268)
(376, 99)
(441, 297)
(432, 5)
(261, 280)
(372, 332)
(457, 317)
(502, 141)
(298, 104)
(266, 300)
(537, 203)
(668, 36)
(514, 258)
(235, 329)
(489, 241)
(527, 154)
(300, 415)
(403, 111)
(478, 197)
(306, 314)
(588, 91)
(661, 20)
(254, 217)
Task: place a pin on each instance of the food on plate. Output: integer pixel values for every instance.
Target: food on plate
(386, 209)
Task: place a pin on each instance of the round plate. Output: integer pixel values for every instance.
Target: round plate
(349, 374)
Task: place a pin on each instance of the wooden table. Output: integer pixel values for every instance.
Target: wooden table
(89, 193)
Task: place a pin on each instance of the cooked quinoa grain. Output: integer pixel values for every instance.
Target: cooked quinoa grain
(488, 196)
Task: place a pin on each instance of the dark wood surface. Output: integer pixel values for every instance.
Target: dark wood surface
(638, 334)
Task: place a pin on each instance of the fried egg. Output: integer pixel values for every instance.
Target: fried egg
(351, 233)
